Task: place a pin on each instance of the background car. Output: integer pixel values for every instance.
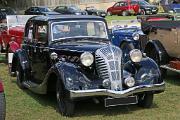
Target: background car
(6, 11)
(164, 43)
(123, 8)
(127, 35)
(66, 10)
(93, 11)
(145, 7)
(39, 10)
(2, 103)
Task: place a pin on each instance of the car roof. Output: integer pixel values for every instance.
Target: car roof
(65, 17)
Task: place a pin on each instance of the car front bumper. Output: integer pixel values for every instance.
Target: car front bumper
(117, 94)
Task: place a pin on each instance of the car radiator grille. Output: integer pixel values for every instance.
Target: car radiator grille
(108, 65)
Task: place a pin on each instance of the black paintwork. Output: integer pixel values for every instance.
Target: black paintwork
(94, 11)
(39, 10)
(67, 10)
(42, 73)
(6, 11)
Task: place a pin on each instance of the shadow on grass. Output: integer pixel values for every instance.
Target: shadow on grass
(173, 78)
(86, 107)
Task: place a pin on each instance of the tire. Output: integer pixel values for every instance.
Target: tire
(94, 14)
(155, 56)
(20, 76)
(2, 106)
(145, 100)
(109, 13)
(143, 12)
(125, 13)
(65, 105)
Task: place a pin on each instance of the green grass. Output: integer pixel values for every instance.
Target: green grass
(25, 105)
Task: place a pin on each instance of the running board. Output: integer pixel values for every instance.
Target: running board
(29, 84)
(37, 88)
(169, 68)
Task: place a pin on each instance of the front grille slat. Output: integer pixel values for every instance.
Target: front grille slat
(108, 63)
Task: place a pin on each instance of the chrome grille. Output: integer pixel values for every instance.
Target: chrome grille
(108, 65)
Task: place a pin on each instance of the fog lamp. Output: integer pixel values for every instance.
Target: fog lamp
(130, 82)
(106, 83)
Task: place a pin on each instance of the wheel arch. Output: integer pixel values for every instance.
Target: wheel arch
(162, 53)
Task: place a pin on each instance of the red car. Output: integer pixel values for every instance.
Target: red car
(12, 33)
(124, 8)
(2, 103)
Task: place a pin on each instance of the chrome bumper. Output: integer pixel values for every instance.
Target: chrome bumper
(117, 94)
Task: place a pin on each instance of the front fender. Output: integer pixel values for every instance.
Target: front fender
(162, 53)
(145, 72)
(71, 76)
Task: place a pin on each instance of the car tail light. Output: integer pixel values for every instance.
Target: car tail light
(1, 87)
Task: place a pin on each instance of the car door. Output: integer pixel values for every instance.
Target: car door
(116, 8)
(38, 52)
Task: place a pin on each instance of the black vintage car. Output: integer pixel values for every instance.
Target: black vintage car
(2, 103)
(73, 56)
(6, 11)
(93, 11)
(40, 10)
(68, 10)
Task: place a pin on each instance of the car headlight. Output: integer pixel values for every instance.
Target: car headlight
(87, 59)
(135, 55)
(135, 36)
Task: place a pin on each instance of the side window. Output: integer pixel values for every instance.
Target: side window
(29, 32)
(41, 33)
(31, 9)
(116, 5)
(123, 4)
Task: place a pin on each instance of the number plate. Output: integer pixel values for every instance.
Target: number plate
(120, 101)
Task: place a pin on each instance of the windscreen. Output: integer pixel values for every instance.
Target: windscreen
(78, 29)
(116, 24)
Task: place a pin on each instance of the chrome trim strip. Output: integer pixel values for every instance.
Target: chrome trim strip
(116, 94)
(169, 68)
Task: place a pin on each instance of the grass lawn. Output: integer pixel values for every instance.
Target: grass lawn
(25, 105)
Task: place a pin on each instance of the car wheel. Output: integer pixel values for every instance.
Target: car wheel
(2, 106)
(20, 77)
(65, 105)
(109, 13)
(94, 14)
(125, 13)
(142, 12)
(145, 100)
(155, 56)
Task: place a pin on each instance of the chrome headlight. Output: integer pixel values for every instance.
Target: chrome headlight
(135, 36)
(87, 59)
(135, 55)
